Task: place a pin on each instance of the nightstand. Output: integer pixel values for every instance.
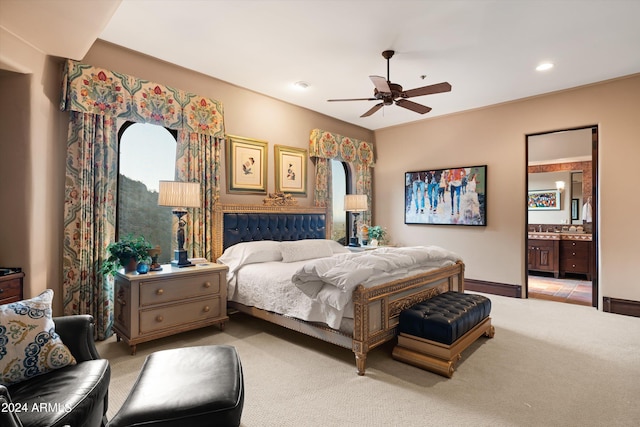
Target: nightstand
(162, 303)
(11, 288)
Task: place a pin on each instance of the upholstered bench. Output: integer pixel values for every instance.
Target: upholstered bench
(433, 333)
(191, 386)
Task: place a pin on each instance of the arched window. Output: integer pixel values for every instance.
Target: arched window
(147, 154)
(340, 187)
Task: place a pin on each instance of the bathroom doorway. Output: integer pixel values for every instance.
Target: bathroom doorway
(561, 221)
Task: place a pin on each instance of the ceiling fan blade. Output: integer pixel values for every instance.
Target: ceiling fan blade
(373, 110)
(352, 99)
(381, 84)
(427, 90)
(410, 105)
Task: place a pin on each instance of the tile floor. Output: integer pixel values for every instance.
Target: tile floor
(573, 291)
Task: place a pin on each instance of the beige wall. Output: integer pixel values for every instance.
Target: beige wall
(33, 139)
(495, 136)
(246, 113)
(33, 146)
(32, 152)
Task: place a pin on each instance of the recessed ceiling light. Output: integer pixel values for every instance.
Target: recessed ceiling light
(544, 66)
(301, 85)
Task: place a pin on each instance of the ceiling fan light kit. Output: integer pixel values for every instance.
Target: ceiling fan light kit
(390, 93)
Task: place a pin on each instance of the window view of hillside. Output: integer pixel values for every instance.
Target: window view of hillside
(140, 215)
(147, 155)
(339, 189)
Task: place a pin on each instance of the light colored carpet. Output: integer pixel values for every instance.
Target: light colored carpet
(549, 364)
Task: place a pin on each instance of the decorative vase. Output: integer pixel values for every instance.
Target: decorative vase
(142, 268)
(373, 242)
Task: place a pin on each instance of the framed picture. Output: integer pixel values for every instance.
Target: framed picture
(543, 200)
(246, 165)
(452, 196)
(574, 209)
(291, 170)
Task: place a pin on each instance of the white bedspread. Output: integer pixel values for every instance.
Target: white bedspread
(331, 280)
(319, 289)
(268, 286)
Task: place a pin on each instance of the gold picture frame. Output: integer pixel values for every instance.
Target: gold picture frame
(246, 165)
(291, 170)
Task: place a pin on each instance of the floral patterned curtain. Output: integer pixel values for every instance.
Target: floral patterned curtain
(89, 216)
(198, 160)
(325, 145)
(95, 97)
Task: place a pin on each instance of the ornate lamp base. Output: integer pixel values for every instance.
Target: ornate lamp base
(181, 259)
(353, 241)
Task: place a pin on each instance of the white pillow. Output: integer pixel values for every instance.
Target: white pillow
(29, 344)
(305, 249)
(250, 253)
(337, 248)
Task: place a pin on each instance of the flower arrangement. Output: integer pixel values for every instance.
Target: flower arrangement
(130, 249)
(377, 232)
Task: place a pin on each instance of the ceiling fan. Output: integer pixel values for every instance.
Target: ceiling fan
(390, 93)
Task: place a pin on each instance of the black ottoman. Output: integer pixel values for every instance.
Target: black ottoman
(191, 386)
(433, 333)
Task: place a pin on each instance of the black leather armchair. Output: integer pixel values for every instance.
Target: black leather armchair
(72, 396)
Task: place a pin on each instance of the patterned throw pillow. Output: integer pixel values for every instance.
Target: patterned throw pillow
(29, 345)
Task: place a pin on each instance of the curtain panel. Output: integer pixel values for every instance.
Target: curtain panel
(95, 97)
(325, 145)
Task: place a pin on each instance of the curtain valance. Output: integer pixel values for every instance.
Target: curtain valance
(94, 90)
(329, 145)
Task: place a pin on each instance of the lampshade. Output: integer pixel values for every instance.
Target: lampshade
(179, 194)
(355, 202)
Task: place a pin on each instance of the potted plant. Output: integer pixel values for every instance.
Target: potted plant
(376, 233)
(126, 253)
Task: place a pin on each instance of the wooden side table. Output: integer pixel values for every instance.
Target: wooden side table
(11, 288)
(162, 303)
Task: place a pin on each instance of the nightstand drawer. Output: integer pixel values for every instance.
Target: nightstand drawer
(11, 288)
(179, 314)
(160, 291)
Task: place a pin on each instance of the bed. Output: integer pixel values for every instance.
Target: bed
(371, 317)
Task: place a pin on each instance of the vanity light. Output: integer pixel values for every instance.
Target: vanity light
(544, 66)
(560, 185)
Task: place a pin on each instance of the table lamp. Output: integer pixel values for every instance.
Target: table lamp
(355, 203)
(180, 196)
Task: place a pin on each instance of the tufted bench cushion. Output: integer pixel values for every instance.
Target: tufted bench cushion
(190, 386)
(433, 333)
(445, 317)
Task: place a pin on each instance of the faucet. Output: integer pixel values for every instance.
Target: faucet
(540, 228)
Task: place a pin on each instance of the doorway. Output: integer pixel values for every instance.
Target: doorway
(561, 216)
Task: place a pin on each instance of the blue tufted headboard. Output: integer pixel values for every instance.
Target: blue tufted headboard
(245, 223)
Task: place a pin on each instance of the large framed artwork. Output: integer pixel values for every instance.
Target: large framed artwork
(291, 170)
(543, 200)
(452, 196)
(246, 165)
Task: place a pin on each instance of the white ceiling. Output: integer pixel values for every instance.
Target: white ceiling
(487, 50)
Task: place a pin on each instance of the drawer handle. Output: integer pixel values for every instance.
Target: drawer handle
(206, 309)
(159, 319)
(207, 284)
(160, 291)
(1, 290)
(574, 266)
